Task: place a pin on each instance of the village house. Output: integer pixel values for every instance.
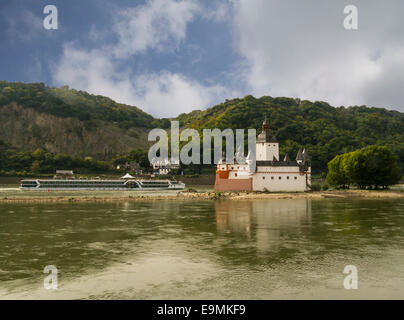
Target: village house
(164, 167)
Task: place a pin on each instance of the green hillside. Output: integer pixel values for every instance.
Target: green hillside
(62, 120)
(65, 102)
(324, 130)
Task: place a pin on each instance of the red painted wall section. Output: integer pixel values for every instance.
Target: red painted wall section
(222, 185)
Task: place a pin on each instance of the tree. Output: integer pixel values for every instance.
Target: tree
(141, 157)
(38, 154)
(373, 167)
(36, 166)
(336, 173)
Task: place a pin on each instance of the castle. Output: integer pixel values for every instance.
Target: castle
(268, 173)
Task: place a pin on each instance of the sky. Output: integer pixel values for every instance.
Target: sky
(173, 56)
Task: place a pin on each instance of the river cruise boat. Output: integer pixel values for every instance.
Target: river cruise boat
(84, 184)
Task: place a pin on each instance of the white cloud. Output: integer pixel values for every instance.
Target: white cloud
(156, 25)
(162, 94)
(94, 72)
(218, 10)
(300, 48)
(170, 94)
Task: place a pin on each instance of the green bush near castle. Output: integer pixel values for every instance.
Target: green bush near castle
(370, 167)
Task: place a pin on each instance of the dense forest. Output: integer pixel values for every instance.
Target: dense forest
(65, 102)
(22, 163)
(325, 131)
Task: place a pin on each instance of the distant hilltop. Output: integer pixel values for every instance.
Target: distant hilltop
(78, 123)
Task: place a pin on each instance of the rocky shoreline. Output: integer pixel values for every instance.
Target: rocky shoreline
(17, 197)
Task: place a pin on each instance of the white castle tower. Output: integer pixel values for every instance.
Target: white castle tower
(267, 147)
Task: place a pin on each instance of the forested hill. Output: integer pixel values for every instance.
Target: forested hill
(62, 120)
(324, 130)
(70, 103)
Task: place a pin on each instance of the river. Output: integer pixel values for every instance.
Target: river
(260, 249)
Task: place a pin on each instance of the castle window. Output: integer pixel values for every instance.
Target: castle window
(295, 178)
(236, 174)
(280, 178)
(287, 178)
(272, 178)
(263, 178)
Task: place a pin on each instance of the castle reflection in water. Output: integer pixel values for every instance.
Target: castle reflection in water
(265, 220)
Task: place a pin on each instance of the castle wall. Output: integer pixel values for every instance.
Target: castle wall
(276, 179)
(237, 171)
(222, 185)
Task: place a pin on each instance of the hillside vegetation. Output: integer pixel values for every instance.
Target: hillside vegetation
(69, 103)
(23, 163)
(62, 120)
(325, 131)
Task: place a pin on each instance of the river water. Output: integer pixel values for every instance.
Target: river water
(261, 249)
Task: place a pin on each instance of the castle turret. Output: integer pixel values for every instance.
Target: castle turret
(306, 156)
(299, 157)
(267, 146)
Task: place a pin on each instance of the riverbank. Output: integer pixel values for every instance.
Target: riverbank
(8, 195)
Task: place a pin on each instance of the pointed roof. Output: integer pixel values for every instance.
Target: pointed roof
(306, 155)
(299, 155)
(265, 135)
(286, 159)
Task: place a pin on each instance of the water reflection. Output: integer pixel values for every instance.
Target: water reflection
(267, 220)
(233, 249)
(234, 216)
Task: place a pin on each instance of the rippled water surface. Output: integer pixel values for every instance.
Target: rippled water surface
(261, 249)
